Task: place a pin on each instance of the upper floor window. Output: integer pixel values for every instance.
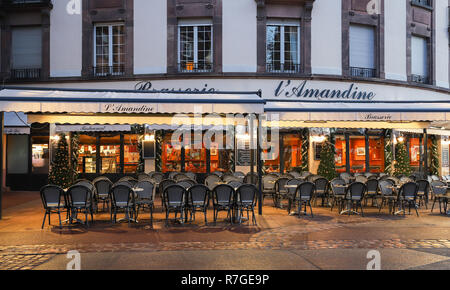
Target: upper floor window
(362, 51)
(109, 49)
(195, 46)
(26, 56)
(283, 46)
(419, 59)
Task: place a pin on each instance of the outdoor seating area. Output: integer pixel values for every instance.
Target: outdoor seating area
(351, 193)
(181, 197)
(235, 195)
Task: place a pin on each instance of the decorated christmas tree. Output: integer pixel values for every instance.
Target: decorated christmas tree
(327, 167)
(402, 165)
(61, 172)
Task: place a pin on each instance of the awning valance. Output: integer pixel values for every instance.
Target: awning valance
(34, 100)
(364, 111)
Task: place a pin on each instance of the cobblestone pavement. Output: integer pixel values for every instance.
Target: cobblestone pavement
(23, 261)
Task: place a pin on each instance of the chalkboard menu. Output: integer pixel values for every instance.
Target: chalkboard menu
(243, 153)
(445, 157)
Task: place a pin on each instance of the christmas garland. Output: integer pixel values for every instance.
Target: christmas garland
(388, 156)
(434, 156)
(158, 142)
(140, 131)
(74, 145)
(305, 149)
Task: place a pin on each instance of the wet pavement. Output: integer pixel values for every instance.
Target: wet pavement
(279, 241)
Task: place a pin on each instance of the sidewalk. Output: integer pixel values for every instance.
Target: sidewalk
(327, 233)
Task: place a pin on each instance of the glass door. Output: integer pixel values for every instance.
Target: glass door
(87, 154)
(292, 148)
(357, 154)
(130, 153)
(171, 155)
(376, 154)
(341, 153)
(110, 153)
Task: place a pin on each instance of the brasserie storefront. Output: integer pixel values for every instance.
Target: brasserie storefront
(126, 133)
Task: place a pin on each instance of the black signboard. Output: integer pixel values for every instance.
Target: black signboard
(149, 149)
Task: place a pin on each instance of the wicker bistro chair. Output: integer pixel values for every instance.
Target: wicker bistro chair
(54, 201)
(175, 201)
(142, 176)
(180, 176)
(145, 198)
(354, 197)
(122, 197)
(246, 196)
(102, 190)
(198, 200)
(387, 194)
(291, 191)
(439, 190)
(268, 182)
(162, 186)
(280, 190)
(80, 200)
(251, 178)
(372, 191)
(227, 178)
(407, 196)
(157, 176)
(223, 200)
(212, 181)
(186, 183)
(239, 174)
(235, 184)
(191, 175)
(423, 191)
(337, 192)
(361, 178)
(303, 196)
(321, 189)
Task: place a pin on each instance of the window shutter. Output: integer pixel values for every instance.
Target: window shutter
(26, 47)
(362, 46)
(419, 56)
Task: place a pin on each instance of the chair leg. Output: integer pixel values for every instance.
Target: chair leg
(59, 215)
(43, 222)
(310, 209)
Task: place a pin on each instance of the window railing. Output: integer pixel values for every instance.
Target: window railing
(283, 68)
(24, 2)
(106, 71)
(426, 3)
(191, 67)
(362, 72)
(25, 74)
(419, 79)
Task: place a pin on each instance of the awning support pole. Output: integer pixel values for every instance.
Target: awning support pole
(259, 165)
(425, 151)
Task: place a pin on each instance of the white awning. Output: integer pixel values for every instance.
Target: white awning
(363, 111)
(43, 100)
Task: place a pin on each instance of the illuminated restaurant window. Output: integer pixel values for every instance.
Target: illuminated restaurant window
(40, 154)
(87, 154)
(341, 153)
(110, 153)
(357, 154)
(195, 155)
(376, 154)
(130, 153)
(272, 161)
(220, 158)
(292, 148)
(171, 156)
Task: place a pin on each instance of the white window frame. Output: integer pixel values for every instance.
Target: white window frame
(195, 24)
(110, 41)
(282, 24)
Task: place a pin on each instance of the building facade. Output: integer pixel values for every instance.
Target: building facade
(334, 55)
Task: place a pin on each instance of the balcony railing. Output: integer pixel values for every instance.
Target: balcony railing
(16, 3)
(25, 74)
(425, 3)
(362, 72)
(107, 71)
(191, 67)
(419, 79)
(283, 68)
